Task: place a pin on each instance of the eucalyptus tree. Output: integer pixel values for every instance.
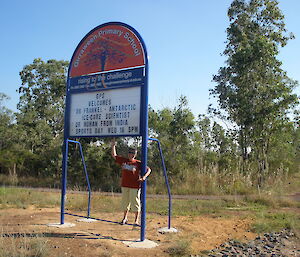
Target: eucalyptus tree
(40, 117)
(252, 88)
(7, 160)
(175, 129)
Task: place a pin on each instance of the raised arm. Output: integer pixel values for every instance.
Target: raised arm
(113, 149)
(148, 171)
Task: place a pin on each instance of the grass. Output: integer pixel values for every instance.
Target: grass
(283, 184)
(99, 203)
(52, 182)
(269, 213)
(206, 182)
(215, 182)
(268, 221)
(273, 214)
(180, 248)
(272, 201)
(23, 246)
(22, 198)
(269, 209)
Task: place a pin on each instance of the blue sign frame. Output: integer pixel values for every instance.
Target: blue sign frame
(121, 78)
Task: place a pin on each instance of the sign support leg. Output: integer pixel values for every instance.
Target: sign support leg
(144, 131)
(144, 188)
(64, 181)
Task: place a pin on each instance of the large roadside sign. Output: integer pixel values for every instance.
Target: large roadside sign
(107, 83)
(107, 93)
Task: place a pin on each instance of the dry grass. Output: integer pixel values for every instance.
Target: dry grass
(216, 182)
(21, 198)
(180, 248)
(23, 245)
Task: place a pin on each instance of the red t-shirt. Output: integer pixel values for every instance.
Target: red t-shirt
(130, 178)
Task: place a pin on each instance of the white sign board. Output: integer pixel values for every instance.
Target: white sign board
(106, 113)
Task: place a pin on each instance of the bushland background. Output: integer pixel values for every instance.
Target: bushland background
(249, 141)
(202, 156)
(246, 144)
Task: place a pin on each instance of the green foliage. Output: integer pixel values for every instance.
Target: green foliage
(201, 156)
(40, 117)
(11, 153)
(42, 93)
(175, 130)
(104, 173)
(252, 89)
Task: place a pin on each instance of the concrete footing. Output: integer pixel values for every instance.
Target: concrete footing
(167, 230)
(58, 225)
(140, 244)
(87, 220)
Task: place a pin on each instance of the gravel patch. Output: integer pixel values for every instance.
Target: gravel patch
(278, 244)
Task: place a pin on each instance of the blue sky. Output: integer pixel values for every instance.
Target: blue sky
(184, 41)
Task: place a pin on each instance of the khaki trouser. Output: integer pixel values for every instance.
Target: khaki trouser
(131, 199)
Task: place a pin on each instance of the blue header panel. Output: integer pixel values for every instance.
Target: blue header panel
(107, 80)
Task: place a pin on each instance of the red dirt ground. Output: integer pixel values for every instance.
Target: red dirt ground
(105, 238)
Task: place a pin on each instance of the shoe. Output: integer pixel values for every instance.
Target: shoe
(123, 222)
(136, 225)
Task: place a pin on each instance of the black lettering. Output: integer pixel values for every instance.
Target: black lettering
(112, 130)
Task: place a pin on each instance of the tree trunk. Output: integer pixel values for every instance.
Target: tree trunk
(15, 170)
(12, 171)
(263, 165)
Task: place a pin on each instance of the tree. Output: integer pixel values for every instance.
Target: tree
(175, 130)
(6, 116)
(6, 122)
(43, 92)
(252, 89)
(41, 107)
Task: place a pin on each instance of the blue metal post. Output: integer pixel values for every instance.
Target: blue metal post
(86, 175)
(144, 133)
(65, 156)
(87, 180)
(166, 180)
(144, 188)
(64, 181)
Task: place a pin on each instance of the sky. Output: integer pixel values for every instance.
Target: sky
(184, 41)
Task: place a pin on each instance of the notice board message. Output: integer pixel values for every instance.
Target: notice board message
(106, 113)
